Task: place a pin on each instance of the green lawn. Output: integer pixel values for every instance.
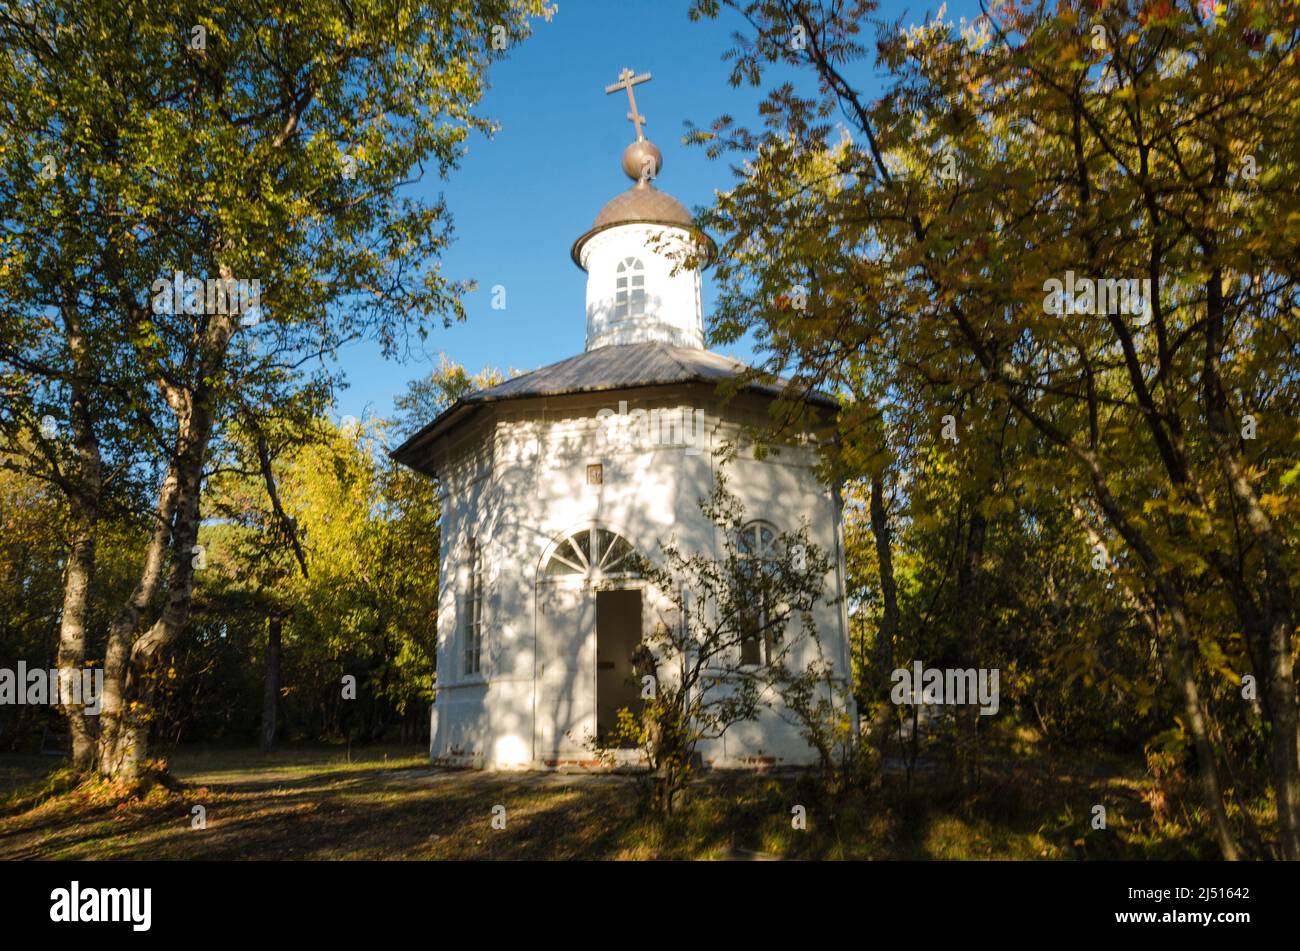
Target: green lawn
(386, 803)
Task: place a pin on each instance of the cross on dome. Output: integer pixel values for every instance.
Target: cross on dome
(626, 80)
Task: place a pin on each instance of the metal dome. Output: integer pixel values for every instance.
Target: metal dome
(643, 204)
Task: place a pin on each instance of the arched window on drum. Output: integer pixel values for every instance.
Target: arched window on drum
(629, 289)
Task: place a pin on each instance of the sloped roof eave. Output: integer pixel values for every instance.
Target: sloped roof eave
(409, 451)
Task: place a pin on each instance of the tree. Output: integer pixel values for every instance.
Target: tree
(427, 397)
(939, 232)
(263, 541)
(256, 158)
(369, 607)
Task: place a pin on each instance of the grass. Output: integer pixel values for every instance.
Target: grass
(387, 803)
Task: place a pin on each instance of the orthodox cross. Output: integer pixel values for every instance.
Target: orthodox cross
(626, 80)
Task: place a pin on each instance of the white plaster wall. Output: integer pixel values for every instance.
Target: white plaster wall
(519, 483)
(673, 311)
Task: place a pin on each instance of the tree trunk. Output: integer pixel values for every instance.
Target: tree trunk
(1208, 769)
(1181, 662)
(884, 659)
(129, 661)
(1183, 651)
(72, 642)
(271, 687)
(116, 732)
(121, 750)
(80, 570)
(969, 604)
(883, 662)
(1277, 601)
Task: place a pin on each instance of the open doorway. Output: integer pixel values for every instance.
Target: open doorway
(618, 634)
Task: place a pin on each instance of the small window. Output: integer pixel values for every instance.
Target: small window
(757, 547)
(629, 289)
(758, 540)
(473, 613)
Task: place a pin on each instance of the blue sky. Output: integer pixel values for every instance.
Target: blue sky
(520, 198)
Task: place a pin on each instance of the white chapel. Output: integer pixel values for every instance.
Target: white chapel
(550, 481)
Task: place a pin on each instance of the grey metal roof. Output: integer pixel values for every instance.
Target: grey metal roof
(617, 367)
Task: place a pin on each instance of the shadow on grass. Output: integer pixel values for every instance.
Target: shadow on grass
(314, 805)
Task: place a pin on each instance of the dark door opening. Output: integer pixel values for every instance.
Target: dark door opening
(618, 634)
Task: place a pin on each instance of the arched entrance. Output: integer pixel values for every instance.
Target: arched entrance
(590, 614)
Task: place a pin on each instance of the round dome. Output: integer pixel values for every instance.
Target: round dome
(645, 203)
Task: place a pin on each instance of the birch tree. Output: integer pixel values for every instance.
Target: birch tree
(198, 206)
